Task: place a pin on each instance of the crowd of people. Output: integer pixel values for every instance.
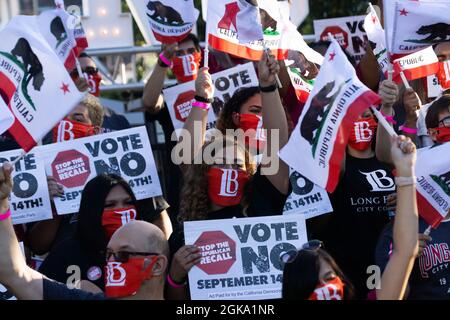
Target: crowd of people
(369, 226)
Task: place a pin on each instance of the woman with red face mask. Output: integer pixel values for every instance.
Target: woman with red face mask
(312, 274)
(107, 203)
(361, 207)
(223, 183)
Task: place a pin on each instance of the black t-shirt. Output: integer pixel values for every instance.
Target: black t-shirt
(359, 215)
(7, 143)
(265, 200)
(70, 253)
(430, 277)
(114, 121)
(57, 291)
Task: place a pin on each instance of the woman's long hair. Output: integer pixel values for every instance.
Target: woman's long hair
(301, 276)
(89, 230)
(195, 203)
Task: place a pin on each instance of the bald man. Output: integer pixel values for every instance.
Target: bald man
(137, 261)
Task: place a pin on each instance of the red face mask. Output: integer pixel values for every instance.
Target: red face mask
(258, 137)
(442, 134)
(226, 186)
(331, 290)
(185, 68)
(94, 83)
(364, 130)
(125, 279)
(443, 74)
(70, 130)
(116, 218)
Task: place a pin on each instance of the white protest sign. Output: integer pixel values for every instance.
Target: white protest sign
(30, 200)
(127, 153)
(433, 87)
(179, 98)
(241, 257)
(348, 31)
(306, 198)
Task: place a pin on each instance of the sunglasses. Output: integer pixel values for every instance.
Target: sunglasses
(124, 256)
(88, 70)
(445, 122)
(289, 256)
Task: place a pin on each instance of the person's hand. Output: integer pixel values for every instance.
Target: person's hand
(82, 84)
(268, 68)
(391, 201)
(403, 152)
(388, 92)
(54, 188)
(204, 86)
(5, 185)
(183, 260)
(423, 239)
(169, 50)
(411, 103)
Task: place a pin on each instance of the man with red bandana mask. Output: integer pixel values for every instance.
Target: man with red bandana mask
(361, 203)
(135, 269)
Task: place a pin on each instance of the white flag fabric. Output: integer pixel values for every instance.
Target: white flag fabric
(377, 37)
(33, 83)
(171, 20)
(433, 183)
(419, 24)
(248, 22)
(6, 117)
(417, 65)
(280, 35)
(317, 145)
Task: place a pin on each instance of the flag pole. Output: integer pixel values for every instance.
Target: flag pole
(427, 231)
(405, 81)
(266, 50)
(383, 122)
(20, 157)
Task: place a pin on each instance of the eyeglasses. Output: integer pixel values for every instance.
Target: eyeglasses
(289, 256)
(182, 52)
(124, 256)
(445, 122)
(88, 70)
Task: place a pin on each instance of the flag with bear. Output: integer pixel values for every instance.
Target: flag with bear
(433, 183)
(171, 20)
(377, 39)
(75, 25)
(30, 77)
(317, 145)
(419, 24)
(236, 27)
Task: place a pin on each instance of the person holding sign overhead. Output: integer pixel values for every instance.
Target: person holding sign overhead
(223, 184)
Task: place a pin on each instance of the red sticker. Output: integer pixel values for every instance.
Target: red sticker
(218, 252)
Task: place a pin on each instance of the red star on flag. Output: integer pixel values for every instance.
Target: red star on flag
(374, 19)
(65, 88)
(403, 12)
(332, 55)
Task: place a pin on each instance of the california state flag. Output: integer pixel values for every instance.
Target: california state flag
(433, 183)
(234, 27)
(418, 65)
(317, 145)
(171, 20)
(419, 24)
(376, 36)
(33, 82)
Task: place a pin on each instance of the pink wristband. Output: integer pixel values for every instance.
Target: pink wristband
(201, 105)
(389, 119)
(5, 215)
(165, 60)
(408, 130)
(173, 284)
